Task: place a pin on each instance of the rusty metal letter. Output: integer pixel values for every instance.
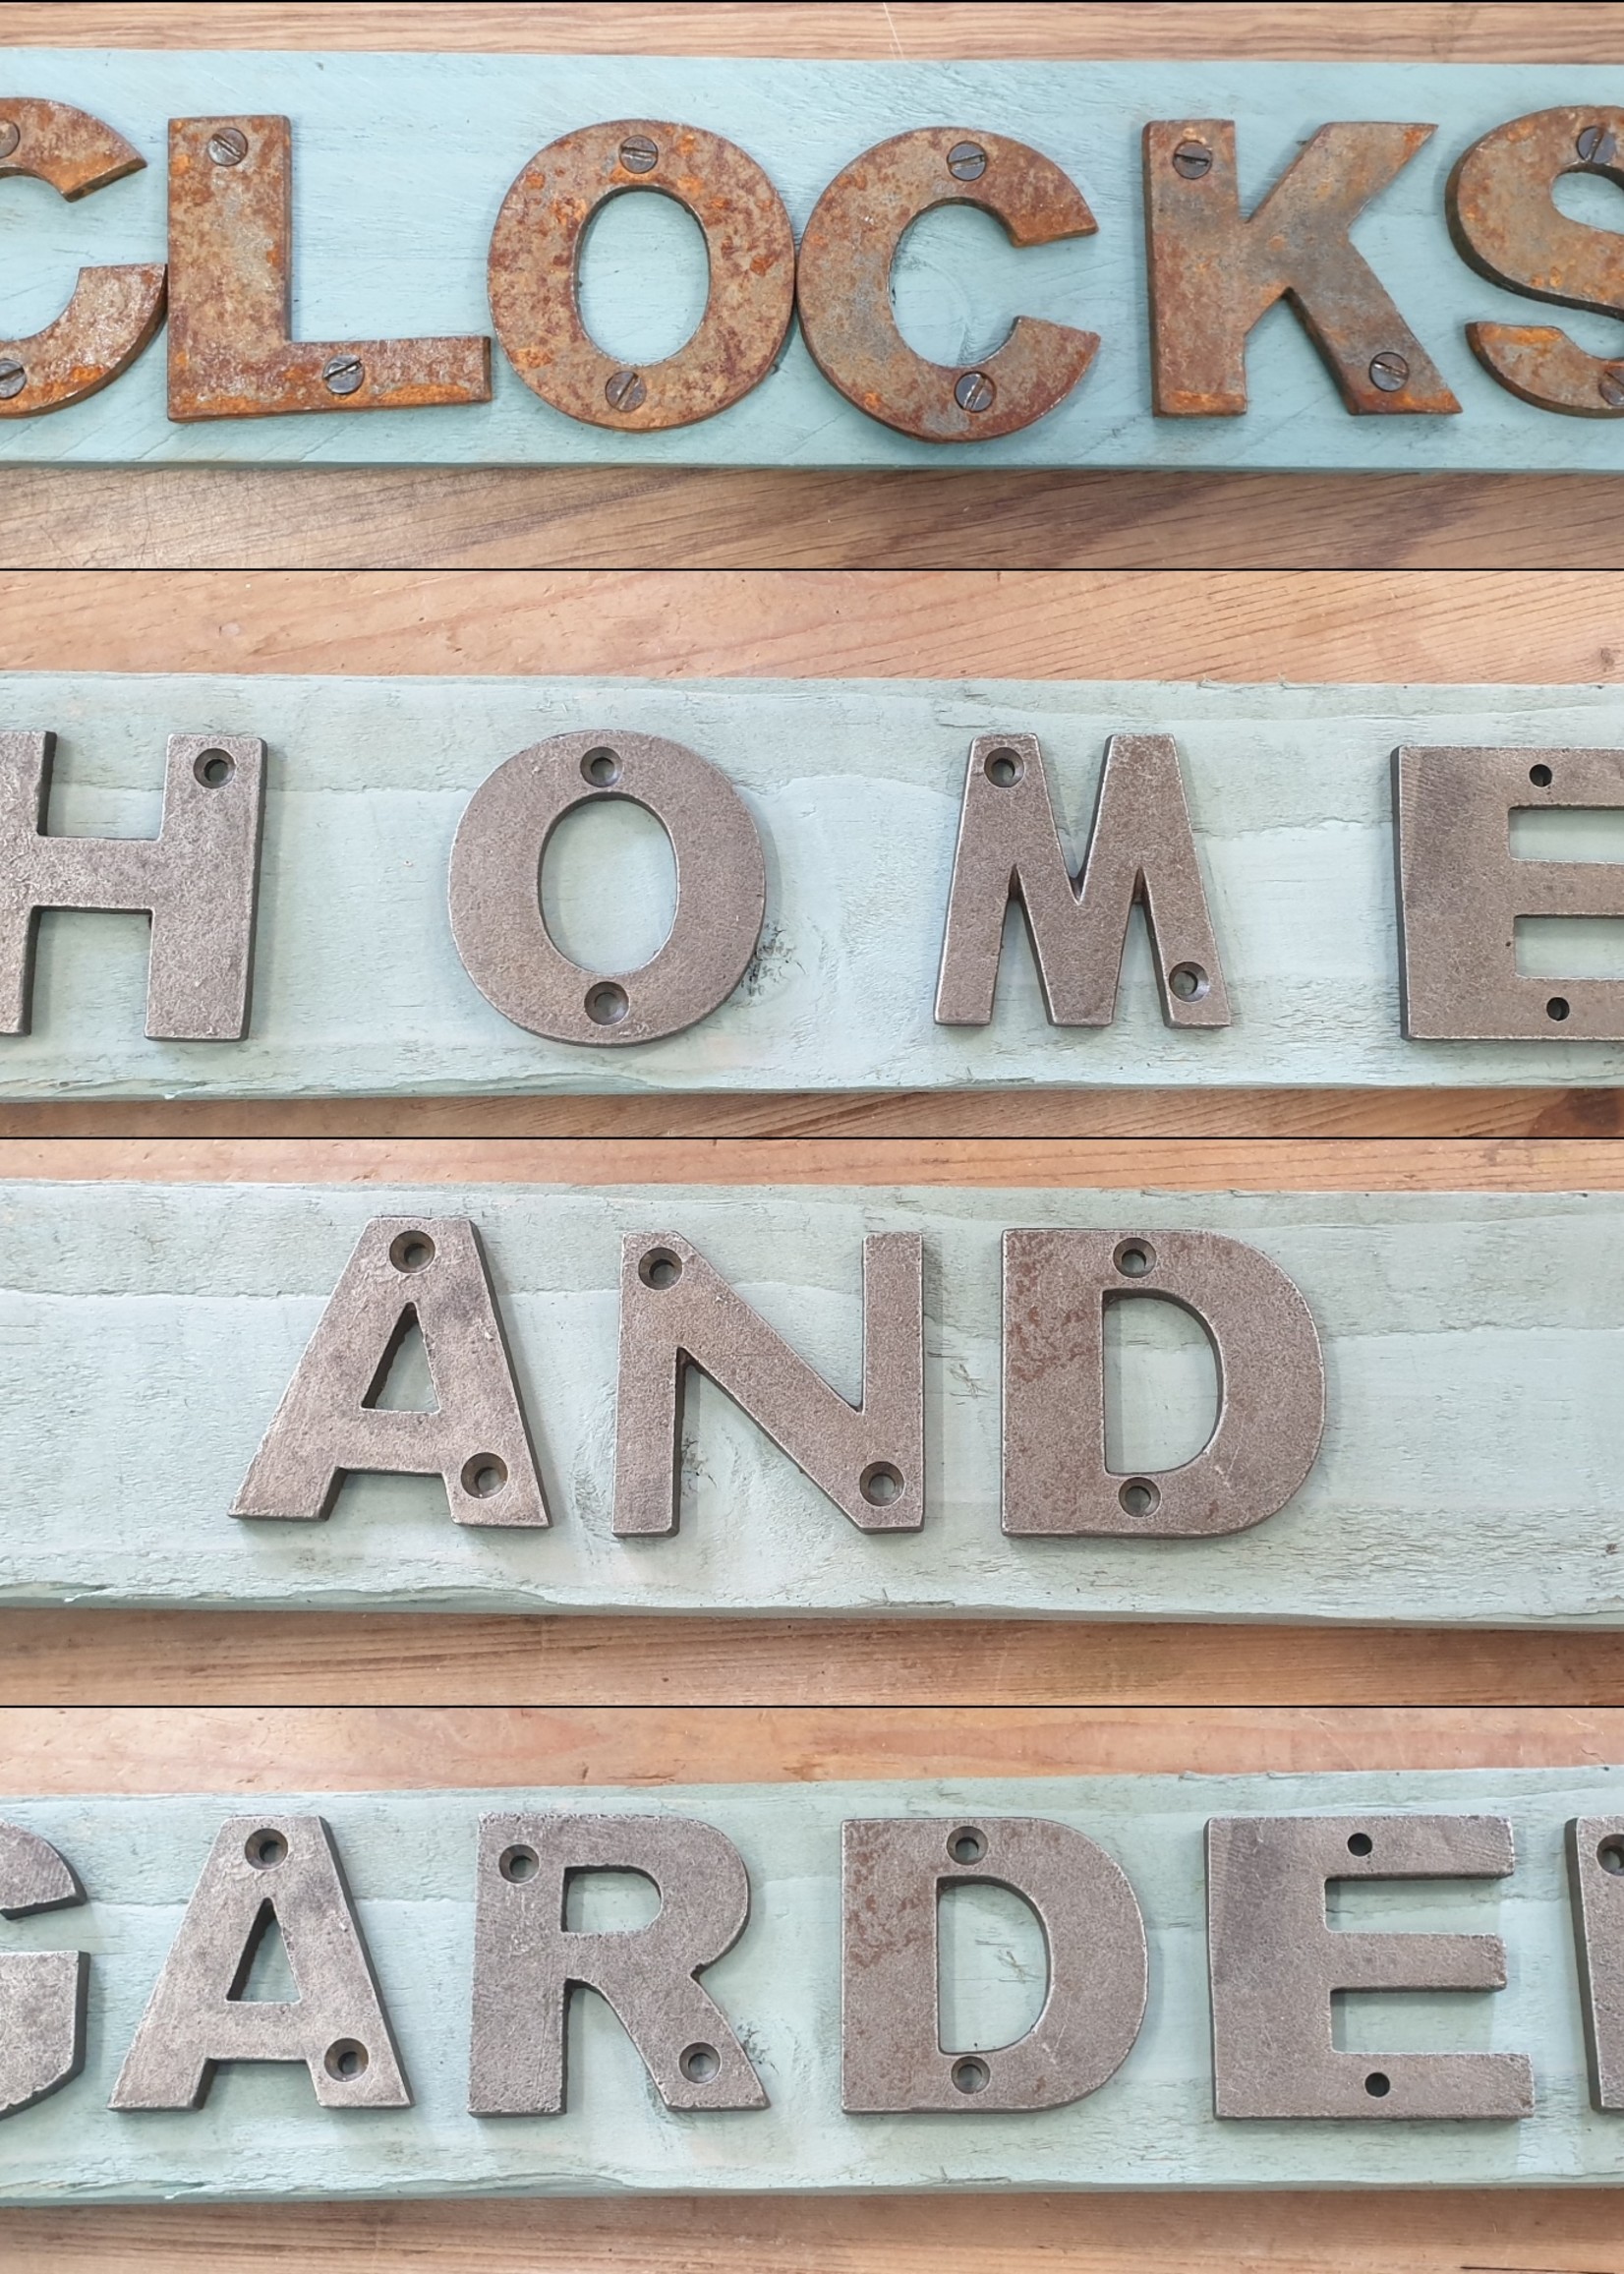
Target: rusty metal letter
(114, 311)
(41, 1991)
(527, 1960)
(198, 879)
(842, 289)
(894, 1870)
(1213, 274)
(426, 1272)
(264, 1870)
(676, 1312)
(535, 270)
(1140, 848)
(1275, 1966)
(1271, 1407)
(1507, 225)
(1461, 893)
(231, 354)
(496, 916)
(1596, 1880)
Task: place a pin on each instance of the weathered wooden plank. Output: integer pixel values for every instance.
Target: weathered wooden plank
(1469, 1472)
(389, 247)
(855, 788)
(409, 1859)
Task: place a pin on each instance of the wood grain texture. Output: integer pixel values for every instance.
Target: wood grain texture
(1525, 2232)
(1461, 1335)
(855, 789)
(407, 1856)
(591, 516)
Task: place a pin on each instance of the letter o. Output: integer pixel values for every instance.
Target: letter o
(495, 877)
(536, 257)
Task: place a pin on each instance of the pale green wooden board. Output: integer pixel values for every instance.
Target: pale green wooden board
(402, 162)
(1470, 1470)
(855, 787)
(410, 1861)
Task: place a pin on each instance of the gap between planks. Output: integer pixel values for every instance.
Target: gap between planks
(52, 1751)
(60, 1657)
(1145, 1163)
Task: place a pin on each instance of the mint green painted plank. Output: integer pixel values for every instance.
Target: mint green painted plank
(1471, 1470)
(402, 162)
(855, 787)
(410, 1863)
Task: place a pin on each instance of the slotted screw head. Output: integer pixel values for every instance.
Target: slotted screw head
(344, 374)
(9, 136)
(1389, 371)
(1595, 146)
(229, 146)
(1611, 387)
(974, 391)
(1191, 159)
(639, 154)
(625, 391)
(966, 161)
(13, 379)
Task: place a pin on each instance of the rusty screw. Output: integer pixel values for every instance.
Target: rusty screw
(9, 136)
(1389, 371)
(966, 161)
(639, 155)
(625, 390)
(1193, 160)
(12, 380)
(1595, 146)
(1611, 387)
(229, 147)
(344, 374)
(974, 391)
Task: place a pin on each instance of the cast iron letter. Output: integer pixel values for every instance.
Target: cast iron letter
(526, 1961)
(893, 1872)
(1271, 1408)
(1140, 848)
(1275, 1966)
(263, 1870)
(423, 1271)
(41, 1991)
(1213, 274)
(676, 1312)
(1596, 1880)
(198, 879)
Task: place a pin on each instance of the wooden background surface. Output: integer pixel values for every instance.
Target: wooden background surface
(168, 517)
(1077, 1698)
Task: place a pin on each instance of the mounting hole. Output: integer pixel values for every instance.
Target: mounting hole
(1189, 982)
(411, 1251)
(518, 1864)
(213, 768)
(1540, 775)
(967, 1844)
(699, 2064)
(346, 2059)
(1360, 1843)
(484, 1477)
(880, 1483)
(1610, 1853)
(1557, 1008)
(971, 2075)
(1139, 1497)
(1004, 766)
(602, 768)
(1378, 2084)
(659, 1267)
(265, 1850)
(606, 1003)
(1135, 1259)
